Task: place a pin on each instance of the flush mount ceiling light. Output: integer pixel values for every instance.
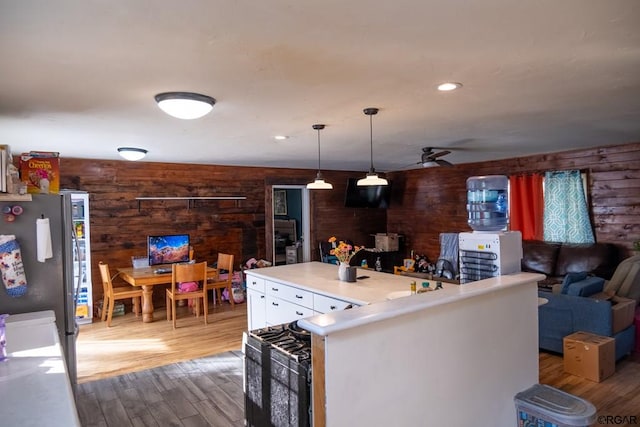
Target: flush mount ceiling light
(319, 183)
(131, 153)
(185, 105)
(372, 177)
(449, 86)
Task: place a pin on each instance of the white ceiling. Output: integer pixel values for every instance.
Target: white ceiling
(79, 77)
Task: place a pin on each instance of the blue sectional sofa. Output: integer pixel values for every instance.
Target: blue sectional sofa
(572, 307)
(564, 314)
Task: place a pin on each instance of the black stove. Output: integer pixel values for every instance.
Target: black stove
(278, 376)
(288, 338)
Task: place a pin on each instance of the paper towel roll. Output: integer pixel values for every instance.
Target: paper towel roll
(43, 238)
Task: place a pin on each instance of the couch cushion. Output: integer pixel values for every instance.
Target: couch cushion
(626, 280)
(599, 259)
(571, 278)
(587, 287)
(539, 257)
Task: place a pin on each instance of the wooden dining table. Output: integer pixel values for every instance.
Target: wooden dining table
(147, 278)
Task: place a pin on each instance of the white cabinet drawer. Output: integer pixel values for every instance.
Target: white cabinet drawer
(255, 283)
(256, 309)
(280, 311)
(323, 304)
(289, 293)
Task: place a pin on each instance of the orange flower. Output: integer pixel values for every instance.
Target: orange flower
(344, 251)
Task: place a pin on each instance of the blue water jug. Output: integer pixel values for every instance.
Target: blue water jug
(487, 202)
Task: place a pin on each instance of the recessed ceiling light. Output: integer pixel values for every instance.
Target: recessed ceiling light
(281, 137)
(449, 86)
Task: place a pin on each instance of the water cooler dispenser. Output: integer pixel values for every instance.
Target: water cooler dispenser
(487, 203)
(488, 251)
(485, 255)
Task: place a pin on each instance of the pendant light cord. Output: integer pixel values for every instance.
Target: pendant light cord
(371, 140)
(371, 112)
(318, 127)
(318, 150)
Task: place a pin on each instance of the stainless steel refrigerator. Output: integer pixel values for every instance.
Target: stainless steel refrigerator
(50, 284)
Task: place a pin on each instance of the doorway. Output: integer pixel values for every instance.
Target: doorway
(290, 219)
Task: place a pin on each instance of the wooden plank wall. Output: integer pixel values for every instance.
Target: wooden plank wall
(425, 202)
(119, 230)
(434, 199)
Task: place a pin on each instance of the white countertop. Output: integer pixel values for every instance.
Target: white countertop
(374, 292)
(322, 278)
(34, 385)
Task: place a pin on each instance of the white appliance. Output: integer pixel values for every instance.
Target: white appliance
(484, 255)
(82, 257)
(50, 284)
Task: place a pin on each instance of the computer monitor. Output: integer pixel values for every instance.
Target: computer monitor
(168, 249)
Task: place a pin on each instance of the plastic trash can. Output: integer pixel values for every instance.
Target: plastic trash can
(545, 406)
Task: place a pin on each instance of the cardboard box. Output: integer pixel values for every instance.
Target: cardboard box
(40, 171)
(589, 356)
(387, 242)
(622, 312)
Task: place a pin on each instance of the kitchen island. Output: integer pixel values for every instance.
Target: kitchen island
(454, 357)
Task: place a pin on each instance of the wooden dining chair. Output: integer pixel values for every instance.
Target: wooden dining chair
(181, 273)
(225, 263)
(111, 294)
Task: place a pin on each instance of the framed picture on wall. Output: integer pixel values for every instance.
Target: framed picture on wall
(280, 202)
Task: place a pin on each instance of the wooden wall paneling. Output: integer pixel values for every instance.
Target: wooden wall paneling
(425, 203)
(434, 201)
(614, 193)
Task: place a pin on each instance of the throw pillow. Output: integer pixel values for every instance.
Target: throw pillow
(572, 278)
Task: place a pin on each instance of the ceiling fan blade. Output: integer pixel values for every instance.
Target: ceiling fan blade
(440, 154)
(443, 162)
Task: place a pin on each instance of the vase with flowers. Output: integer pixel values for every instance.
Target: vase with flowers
(344, 252)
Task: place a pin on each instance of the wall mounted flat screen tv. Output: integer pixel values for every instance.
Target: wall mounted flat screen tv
(375, 196)
(168, 249)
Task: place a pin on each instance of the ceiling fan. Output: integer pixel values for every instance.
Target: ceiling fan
(430, 158)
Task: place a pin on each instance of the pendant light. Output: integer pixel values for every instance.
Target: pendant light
(372, 177)
(185, 105)
(319, 183)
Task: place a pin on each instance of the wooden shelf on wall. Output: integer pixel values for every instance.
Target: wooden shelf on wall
(190, 199)
(5, 197)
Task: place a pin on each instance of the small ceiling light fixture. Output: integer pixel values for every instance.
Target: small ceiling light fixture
(131, 153)
(372, 177)
(449, 86)
(280, 137)
(319, 183)
(185, 105)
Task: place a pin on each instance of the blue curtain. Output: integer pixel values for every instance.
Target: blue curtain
(566, 216)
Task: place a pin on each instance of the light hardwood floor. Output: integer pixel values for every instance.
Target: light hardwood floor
(131, 346)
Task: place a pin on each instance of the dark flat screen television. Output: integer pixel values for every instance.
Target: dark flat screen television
(374, 196)
(168, 249)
